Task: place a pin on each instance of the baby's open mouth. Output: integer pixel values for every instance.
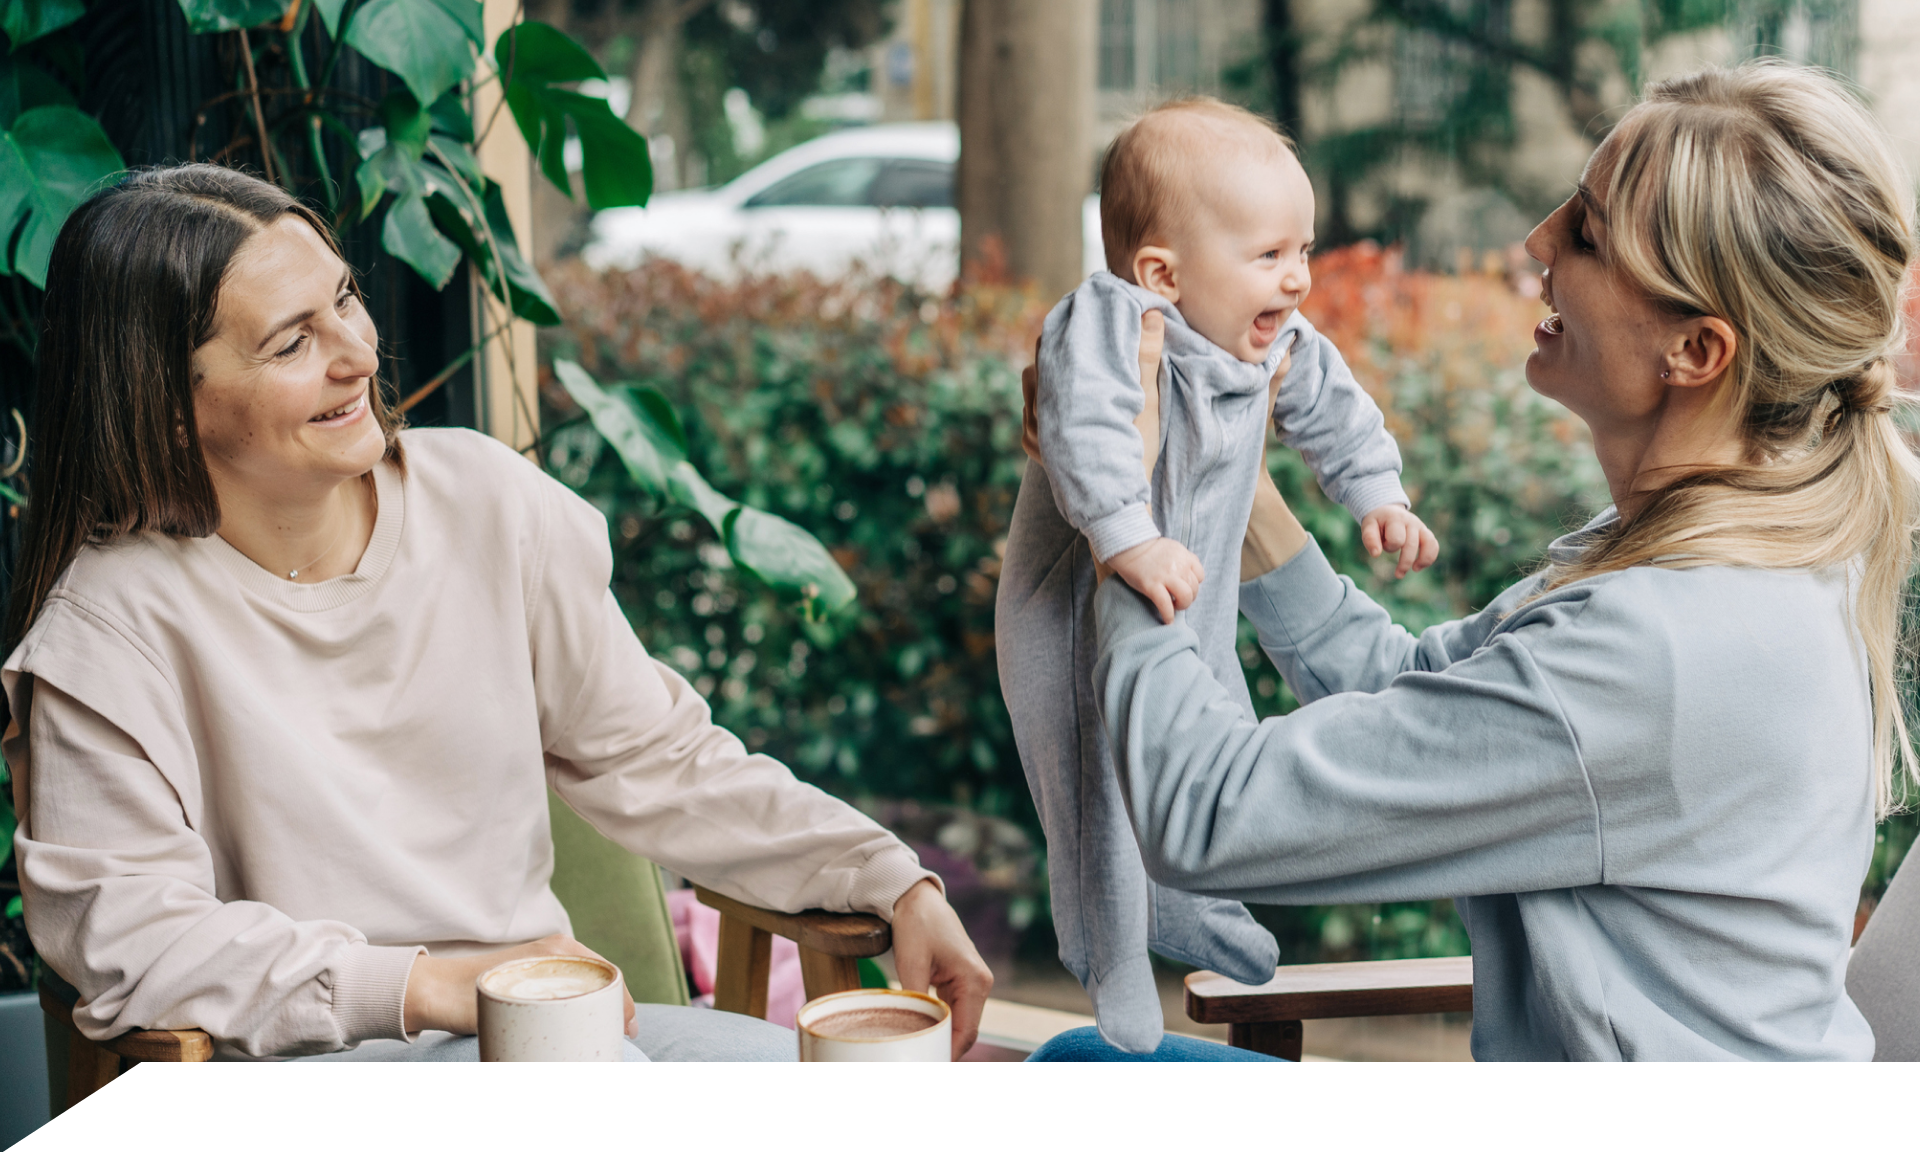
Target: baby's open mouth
(1266, 325)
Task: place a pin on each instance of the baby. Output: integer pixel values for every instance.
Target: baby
(1207, 217)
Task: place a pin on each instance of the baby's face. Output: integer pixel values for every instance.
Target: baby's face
(1241, 263)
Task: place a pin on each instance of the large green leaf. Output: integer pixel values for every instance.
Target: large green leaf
(429, 44)
(536, 53)
(647, 436)
(330, 14)
(227, 15)
(24, 86)
(522, 289)
(393, 155)
(28, 20)
(623, 427)
(615, 167)
(787, 557)
(409, 234)
(50, 158)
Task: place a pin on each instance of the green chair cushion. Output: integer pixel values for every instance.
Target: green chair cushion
(618, 907)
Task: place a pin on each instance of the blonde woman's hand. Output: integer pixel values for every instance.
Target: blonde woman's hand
(1153, 338)
(1273, 535)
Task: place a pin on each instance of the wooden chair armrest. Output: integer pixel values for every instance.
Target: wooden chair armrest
(850, 934)
(1332, 991)
(170, 1045)
(1267, 1017)
(831, 945)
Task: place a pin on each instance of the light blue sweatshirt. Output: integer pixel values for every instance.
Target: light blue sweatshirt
(1650, 793)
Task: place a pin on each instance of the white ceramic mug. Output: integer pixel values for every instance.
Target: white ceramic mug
(848, 1026)
(551, 1008)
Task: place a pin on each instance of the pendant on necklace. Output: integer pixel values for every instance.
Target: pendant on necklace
(293, 575)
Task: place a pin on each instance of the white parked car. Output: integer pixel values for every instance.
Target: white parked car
(880, 196)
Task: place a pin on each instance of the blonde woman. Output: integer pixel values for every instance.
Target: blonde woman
(1649, 773)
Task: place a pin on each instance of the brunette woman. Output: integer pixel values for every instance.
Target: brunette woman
(289, 684)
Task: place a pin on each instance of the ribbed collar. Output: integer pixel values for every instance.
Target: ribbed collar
(390, 490)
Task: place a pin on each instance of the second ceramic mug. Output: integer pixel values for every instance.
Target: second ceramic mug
(552, 1008)
(869, 1023)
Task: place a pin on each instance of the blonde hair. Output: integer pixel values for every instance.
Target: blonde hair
(1147, 175)
(1768, 197)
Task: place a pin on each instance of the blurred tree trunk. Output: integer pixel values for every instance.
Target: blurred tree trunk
(1026, 112)
(1283, 63)
(658, 109)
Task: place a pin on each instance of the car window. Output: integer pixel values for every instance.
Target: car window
(914, 184)
(830, 184)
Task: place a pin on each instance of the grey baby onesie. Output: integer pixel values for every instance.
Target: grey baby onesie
(1092, 499)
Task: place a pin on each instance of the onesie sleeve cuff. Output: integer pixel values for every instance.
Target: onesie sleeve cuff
(370, 992)
(1118, 531)
(1370, 492)
(1294, 600)
(885, 878)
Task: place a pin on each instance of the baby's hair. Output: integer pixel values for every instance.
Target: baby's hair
(1146, 179)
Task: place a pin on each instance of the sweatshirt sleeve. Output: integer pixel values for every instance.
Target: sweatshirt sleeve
(1324, 414)
(1325, 635)
(120, 892)
(1461, 782)
(1089, 358)
(633, 748)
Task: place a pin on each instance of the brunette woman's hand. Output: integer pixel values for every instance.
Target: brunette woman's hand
(932, 951)
(440, 990)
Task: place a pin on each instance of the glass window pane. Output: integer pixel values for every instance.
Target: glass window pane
(833, 184)
(915, 184)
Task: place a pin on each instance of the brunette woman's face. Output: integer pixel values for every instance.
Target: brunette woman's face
(282, 388)
(1602, 351)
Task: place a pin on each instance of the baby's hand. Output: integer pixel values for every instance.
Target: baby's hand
(1163, 571)
(1394, 528)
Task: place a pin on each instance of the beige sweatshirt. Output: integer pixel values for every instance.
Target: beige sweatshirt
(250, 803)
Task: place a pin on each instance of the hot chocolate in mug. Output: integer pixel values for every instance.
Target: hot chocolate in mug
(875, 1024)
(552, 1008)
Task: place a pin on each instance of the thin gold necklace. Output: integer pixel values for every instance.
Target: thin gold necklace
(294, 574)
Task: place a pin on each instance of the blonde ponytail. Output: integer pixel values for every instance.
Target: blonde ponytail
(1768, 197)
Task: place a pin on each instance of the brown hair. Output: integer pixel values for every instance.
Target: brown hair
(1768, 197)
(1146, 177)
(133, 289)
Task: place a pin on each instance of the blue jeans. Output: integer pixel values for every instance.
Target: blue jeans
(1083, 1045)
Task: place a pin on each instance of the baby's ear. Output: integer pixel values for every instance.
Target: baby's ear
(1156, 269)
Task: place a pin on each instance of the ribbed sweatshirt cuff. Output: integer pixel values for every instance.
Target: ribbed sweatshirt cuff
(1293, 601)
(1376, 491)
(1118, 531)
(370, 992)
(885, 877)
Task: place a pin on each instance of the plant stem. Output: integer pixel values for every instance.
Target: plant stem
(454, 365)
(519, 13)
(259, 121)
(339, 41)
(297, 57)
